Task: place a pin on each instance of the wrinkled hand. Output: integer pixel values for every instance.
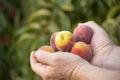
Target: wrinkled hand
(55, 66)
(105, 52)
(63, 65)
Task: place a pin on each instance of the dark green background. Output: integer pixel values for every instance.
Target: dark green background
(25, 25)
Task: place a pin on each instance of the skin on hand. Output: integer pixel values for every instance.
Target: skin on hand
(90, 72)
(66, 66)
(55, 66)
(105, 52)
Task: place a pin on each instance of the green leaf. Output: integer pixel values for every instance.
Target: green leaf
(66, 5)
(24, 37)
(38, 14)
(3, 21)
(46, 4)
(33, 26)
(28, 28)
(113, 12)
(64, 21)
(53, 27)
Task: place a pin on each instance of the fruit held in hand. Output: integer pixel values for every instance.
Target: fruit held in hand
(76, 42)
(83, 33)
(64, 41)
(47, 48)
(83, 50)
(52, 40)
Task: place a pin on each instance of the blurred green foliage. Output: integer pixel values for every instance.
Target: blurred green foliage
(25, 25)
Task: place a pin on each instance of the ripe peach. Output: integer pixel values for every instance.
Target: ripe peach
(47, 48)
(83, 50)
(52, 40)
(64, 41)
(83, 33)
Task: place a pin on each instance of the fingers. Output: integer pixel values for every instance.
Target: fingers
(36, 66)
(44, 57)
(100, 38)
(50, 66)
(32, 58)
(33, 62)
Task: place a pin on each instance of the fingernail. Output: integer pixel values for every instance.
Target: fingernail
(38, 52)
(32, 51)
(80, 24)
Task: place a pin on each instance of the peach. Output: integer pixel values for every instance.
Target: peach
(83, 50)
(64, 41)
(47, 48)
(83, 33)
(52, 40)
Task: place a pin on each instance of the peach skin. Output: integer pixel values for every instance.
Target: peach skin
(47, 48)
(83, 33)
(52, 40)
(64, 41)
(83, 50)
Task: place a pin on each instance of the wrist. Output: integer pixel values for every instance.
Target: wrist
(90, 72)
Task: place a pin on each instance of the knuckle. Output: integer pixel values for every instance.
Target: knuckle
(88, 22)
(55, 58)
(91, 21)
(48, 76)
(33, 69)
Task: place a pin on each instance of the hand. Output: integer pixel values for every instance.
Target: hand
(67, 66)
(55, 66)
(105, 53)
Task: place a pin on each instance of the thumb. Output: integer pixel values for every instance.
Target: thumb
(44, 57)
(100, 38)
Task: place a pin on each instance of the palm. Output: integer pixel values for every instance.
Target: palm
(101, 48)
(101, 45)
(105, 52)
(100, 57)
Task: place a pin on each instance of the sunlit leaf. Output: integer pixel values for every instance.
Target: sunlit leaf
(66, 5)
(113, 12)
(45, 4)
(38, 14)
(53, 27)
(26, 36)
(33, 26)
(30, 27)
(64, 21)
